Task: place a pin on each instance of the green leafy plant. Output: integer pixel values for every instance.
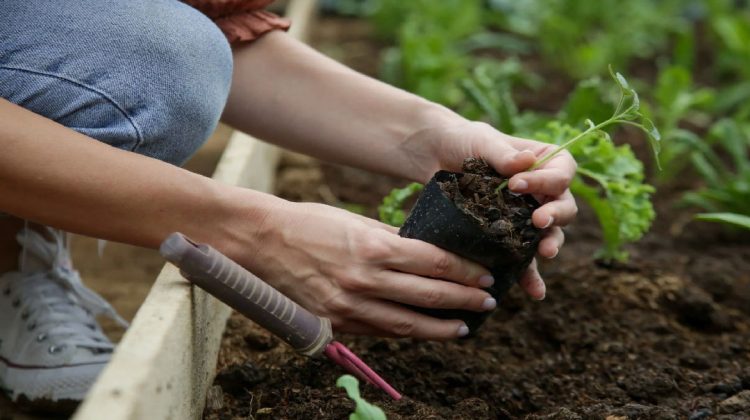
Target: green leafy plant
(429, 57)
(391, 211)
(726, 193)
(616, 190)
(489, 89)
(729, 23)
(676, 99)
(363, 410)
(584, 37)
(610, 179)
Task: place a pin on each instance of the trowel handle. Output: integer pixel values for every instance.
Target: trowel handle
(232, 284)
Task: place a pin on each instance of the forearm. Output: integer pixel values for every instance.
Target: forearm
(289, 94)
(52, 175)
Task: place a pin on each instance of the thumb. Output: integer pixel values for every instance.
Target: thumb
(506, 159)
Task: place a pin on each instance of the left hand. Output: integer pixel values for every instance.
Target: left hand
(446, 147)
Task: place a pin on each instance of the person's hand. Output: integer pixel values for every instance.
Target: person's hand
(445, 147)
(357, 271)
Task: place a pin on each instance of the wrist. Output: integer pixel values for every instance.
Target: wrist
(424, 144)
(243, 221)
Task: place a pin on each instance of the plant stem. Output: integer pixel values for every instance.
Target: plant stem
(568, 143)
(563, 146)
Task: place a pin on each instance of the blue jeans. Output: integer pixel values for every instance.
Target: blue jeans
(148, 76)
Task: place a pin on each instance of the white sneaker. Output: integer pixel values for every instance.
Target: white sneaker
(51, 346)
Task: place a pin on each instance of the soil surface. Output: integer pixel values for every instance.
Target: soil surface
(498, 211)
(665, 336)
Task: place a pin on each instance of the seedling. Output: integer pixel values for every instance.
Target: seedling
(627, 112)
(363, 410)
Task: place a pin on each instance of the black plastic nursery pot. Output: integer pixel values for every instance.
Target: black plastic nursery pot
(437, 219)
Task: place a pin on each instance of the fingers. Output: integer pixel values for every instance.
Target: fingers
(380, 225)
(431, 293)
(508, 161)
(418, 257)
(511, 155)
(396, 321)
(371, 316)
(558, 212)
(550, 182)
(551, 243)
(532, 282)
(500, 152)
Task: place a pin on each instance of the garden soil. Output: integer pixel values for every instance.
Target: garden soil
(664, 336)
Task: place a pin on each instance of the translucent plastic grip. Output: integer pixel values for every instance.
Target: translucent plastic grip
(229, 282)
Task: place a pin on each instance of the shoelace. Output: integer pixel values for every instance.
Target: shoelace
(56, 302)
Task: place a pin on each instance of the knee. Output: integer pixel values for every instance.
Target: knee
(150, 76)
(184, 84)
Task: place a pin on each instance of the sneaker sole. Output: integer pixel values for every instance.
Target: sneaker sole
(51, 384)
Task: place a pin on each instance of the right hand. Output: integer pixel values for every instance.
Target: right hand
(357, 271)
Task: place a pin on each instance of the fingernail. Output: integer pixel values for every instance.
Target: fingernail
(549, 222)
(557, 251)
(463, 330)
(523, 153)
(489, 304)
(519, 185)
(486, 280)
(544, 291)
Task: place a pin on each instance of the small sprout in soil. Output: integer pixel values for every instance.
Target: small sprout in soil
(364, 410)
(391, 211)
(627, 112)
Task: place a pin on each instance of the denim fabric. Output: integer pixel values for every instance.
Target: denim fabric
(148, 76)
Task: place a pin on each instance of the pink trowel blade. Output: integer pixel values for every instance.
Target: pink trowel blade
(354, 365)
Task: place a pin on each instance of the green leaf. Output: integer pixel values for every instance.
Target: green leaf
(481, 99)
(734, 219)
(624, 85)
(621, 82)
(727, 184)
(586, 101)
(363, 410)
(615, 191)
(391, 210)
(654, 138)
(488, 40)
(705, 169)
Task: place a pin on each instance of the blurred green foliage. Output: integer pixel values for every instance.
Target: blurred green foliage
(583, 38)
(391, 211)
(692, 56)
(727, 183)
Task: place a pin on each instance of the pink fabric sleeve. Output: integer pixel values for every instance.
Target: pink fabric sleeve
(241, 20)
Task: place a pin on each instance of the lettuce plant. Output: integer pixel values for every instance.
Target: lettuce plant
(615, 189)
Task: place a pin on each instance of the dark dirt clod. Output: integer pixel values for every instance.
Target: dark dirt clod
(237, 378)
